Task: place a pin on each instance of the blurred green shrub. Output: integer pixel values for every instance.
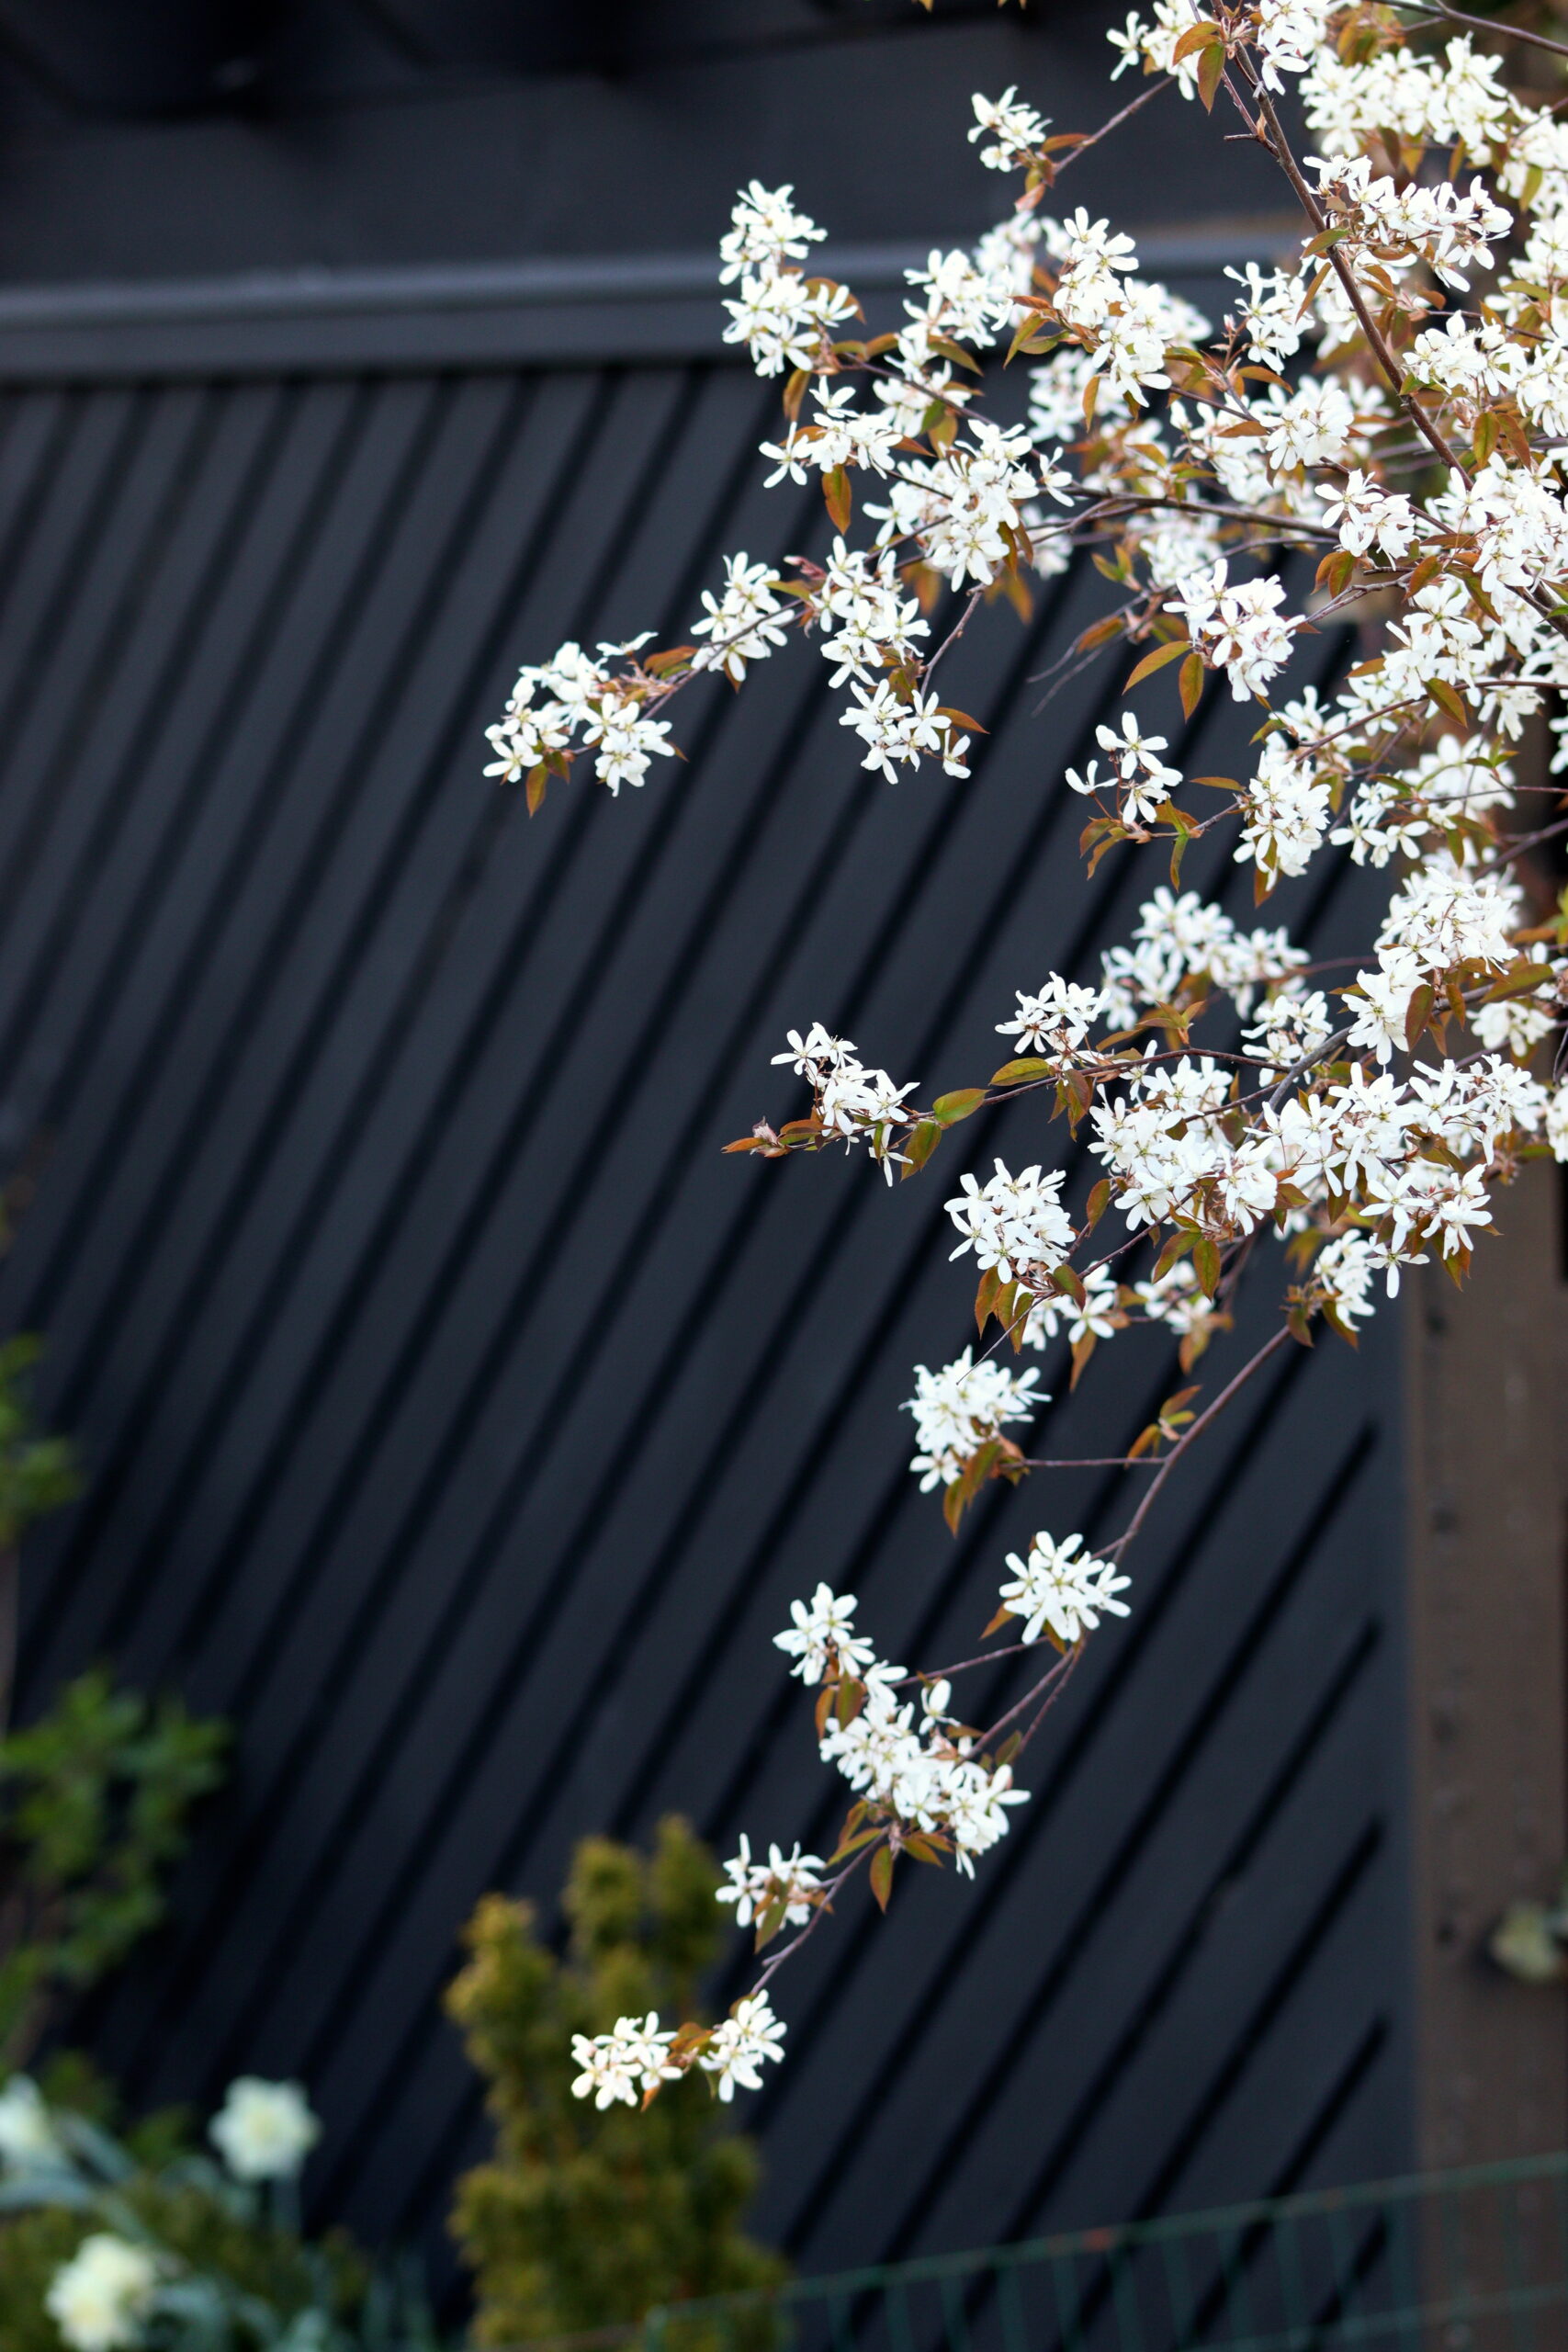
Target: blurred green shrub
(586, 2219)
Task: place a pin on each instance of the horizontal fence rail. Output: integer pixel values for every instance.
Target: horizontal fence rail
(1470, 2261)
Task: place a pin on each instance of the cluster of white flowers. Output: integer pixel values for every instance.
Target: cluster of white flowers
(1054, 1020)
(1237, 626)
(821, 1637)
(743, 625)
(965, 507)
(1140, 779)
(1359, 401)
(854, 1104)
(789, 1882)
(924, 1777)
(962, 1407)
(1061, 1589)
(1286, 810)
(1016, 1224)
(868, 623)
(899, 731)
(1015, 133)
(575, 701)
(1180, 940)
(1167, 1148)
(634, 2058)
(782, 317)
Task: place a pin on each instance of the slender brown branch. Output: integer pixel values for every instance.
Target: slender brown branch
(1142, 100)
(1052, 1695)
(1485, 24)
(1280, 149)
(1253, 1363)
(1058, 1670)
(1310, 1061)
(820, 1912)
(1097, 1462)
(953, 634)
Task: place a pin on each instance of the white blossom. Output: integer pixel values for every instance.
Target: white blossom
(962, 1407)
(741, 2042)
(1014, 1222)
(100, 2298)
(1061, 1587)
(792, 1879)
(625, 2064)
(823, 1635)
(264, 2131)
(28, 2136)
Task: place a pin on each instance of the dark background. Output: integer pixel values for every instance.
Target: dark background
(459, 1420)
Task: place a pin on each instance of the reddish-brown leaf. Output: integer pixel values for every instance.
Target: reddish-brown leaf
(1156, 661)
(1191, 681)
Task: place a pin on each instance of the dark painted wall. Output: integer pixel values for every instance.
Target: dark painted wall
(342, 152)
(462, 1423)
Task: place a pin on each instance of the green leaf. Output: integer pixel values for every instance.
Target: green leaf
(1020, 1073)
(839, 498)
(1191, 681)
(948, 1109)
(881, 1875)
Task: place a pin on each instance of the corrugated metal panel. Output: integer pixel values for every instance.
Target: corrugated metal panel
(461, 1422)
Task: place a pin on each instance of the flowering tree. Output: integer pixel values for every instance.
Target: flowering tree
(1363, 407)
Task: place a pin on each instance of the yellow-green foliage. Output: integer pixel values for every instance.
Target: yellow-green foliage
(584, 2219)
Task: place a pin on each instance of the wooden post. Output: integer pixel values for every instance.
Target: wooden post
(1486, 1488)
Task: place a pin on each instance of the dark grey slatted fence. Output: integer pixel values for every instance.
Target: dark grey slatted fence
(462, 1423)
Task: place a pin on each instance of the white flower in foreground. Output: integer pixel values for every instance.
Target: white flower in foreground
(27, 2137)
(792, 1879)
(1013, 131)
(822, 1631)
(264, 2131)
(1058, 1017)
(741, 2044)
(767, 230)
(99, 2299)
(1058, 1587)
(1014, 1222)
(623, 2064)
(961, 1409)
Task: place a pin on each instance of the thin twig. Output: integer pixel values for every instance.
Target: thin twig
(1253, 1363)
(1485, 24)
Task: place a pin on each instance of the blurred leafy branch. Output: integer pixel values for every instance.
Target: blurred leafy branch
(96, 1796)
(96, 1799)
